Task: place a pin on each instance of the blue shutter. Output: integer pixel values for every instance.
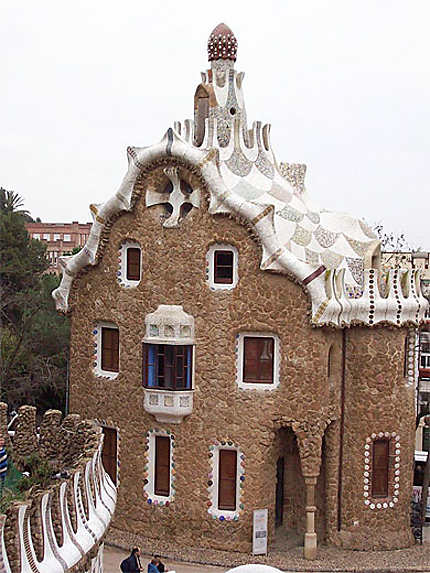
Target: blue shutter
(189, 358)
(151, 366)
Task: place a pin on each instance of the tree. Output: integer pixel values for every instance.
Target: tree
(34, 338)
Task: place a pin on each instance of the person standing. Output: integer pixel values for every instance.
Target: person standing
(132, 564)
(160, 565)
(153, 566)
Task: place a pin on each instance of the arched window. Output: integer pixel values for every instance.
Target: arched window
(201, 112)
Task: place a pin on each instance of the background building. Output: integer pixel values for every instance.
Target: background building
(60, 239)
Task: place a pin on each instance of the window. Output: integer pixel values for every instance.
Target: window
(222, 266)
(36, 236)
(258, 360)
(129, 267)
(57, 236)
(67, 238)
(159, 461)
(329, 359)
(167, 366)
(162, 466)
(380, 468)
(109, 452)
(133, 264)
(46, 236)
(227, 479)
(110, 349)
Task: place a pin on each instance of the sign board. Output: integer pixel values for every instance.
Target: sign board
(259, 532)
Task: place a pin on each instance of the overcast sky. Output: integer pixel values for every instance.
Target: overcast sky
(345, 85)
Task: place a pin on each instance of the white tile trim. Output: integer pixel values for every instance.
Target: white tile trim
(97, 365)
(210, 266)
(122, 264)
(239, 361)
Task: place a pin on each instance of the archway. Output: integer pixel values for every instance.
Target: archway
(289, 492)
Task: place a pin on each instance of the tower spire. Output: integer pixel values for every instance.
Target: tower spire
(222, 44)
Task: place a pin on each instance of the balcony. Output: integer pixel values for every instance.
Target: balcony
(168, 406)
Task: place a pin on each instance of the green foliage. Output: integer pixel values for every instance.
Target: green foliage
(8, 497)
(40, 473)
(34, 338)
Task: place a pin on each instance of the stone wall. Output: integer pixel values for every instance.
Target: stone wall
(72, 446)
(377, 400)
(307, 399)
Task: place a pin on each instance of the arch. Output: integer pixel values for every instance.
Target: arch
(201, 113)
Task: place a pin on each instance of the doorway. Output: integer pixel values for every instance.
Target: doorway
(279, 503)
(110, 452)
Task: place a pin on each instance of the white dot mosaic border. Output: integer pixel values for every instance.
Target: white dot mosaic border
(394, 473)
(412, 358)
(152, 499)
(223, 514)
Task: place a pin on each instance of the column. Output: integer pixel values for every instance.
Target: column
(310, 545)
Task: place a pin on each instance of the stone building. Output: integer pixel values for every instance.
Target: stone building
(242, 344)
(60, 239)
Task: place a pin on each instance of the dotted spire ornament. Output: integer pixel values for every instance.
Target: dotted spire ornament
(222, 44)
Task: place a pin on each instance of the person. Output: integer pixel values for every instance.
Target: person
(3, 465)
(153, 565)
(132, 563)
(160, 565)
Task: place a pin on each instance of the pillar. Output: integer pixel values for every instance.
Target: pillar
(310, 544)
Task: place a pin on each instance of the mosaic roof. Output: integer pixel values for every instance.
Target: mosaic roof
(329, 253)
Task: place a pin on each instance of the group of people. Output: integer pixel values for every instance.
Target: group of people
(133, 565)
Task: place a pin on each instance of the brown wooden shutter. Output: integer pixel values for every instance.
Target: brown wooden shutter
(258, 360)
(162, 465)
(133, 264)
(109, 453)
(223, 267)
(380, 468)
(110, 349)
(227, 471)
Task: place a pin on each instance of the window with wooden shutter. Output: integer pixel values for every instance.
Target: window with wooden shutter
(162, 466)
(258, 355)
(133, 264)
(110, 349)
(380, 468)
(223, 267)
(167, 366)
(227, 479)
(109, 452)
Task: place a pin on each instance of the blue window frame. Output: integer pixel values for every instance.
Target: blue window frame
(167, 366)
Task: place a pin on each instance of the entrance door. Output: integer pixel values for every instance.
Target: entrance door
(279, 505)
(109, 453)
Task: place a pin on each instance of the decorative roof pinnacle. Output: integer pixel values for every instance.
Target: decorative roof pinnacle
(222, 44)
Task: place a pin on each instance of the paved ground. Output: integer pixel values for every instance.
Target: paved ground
(114, 556)
(415, 559)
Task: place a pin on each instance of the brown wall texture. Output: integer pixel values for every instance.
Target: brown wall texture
(174, 272)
